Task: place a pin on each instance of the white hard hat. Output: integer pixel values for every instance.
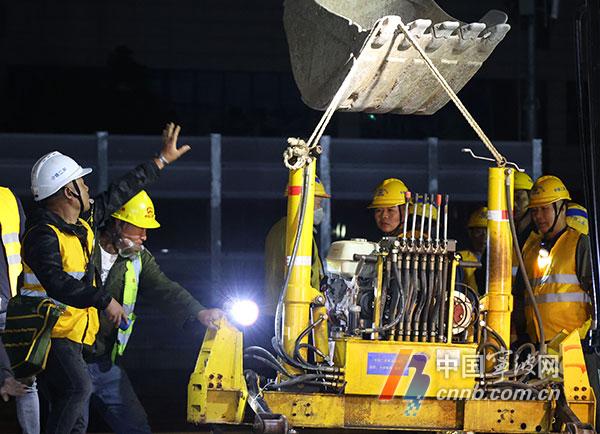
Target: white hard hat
(52, 172)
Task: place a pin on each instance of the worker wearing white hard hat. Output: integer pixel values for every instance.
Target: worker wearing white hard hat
(57, 249)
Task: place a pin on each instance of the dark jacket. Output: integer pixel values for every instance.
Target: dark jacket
(155, 287)
(41, 248)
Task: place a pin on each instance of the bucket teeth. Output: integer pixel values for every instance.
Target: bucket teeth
(331, 41)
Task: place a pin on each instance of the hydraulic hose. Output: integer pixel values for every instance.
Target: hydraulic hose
(317, 351)
(497, 337)
(301, 336)
(288, 273)
(442, 312)
(435, 304)
(522, 269)
(270, 364)
(424, 298)
(427, 312)
(267, 355)
(295, 380)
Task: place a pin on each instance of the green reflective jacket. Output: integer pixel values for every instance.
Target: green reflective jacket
(154, 287)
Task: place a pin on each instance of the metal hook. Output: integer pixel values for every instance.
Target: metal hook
(479, 157)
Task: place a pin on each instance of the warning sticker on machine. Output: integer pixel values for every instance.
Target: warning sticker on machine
(382, 363)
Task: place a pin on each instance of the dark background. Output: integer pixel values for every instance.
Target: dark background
(129, 66)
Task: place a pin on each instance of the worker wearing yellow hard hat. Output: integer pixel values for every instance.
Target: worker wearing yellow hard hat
(128, 270)
(557, 261)
(477, 230)
(388, 200)
(275, 258)
(577, 218)
(556, 264)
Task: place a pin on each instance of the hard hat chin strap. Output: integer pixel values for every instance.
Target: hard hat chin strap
(557, 212)
(77, 194)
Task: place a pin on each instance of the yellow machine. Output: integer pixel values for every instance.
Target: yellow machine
(392, 342)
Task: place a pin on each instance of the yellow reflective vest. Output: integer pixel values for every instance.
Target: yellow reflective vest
(275, 265)
(562, 302)
(77, 325)
(10, 222)
(469, 272)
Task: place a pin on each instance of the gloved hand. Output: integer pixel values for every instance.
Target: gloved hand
(210, 317)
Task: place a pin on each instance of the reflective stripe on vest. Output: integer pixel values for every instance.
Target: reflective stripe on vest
(567, 279)
(562, 302)
(562, 297)
(130, 290)
(75, 324)
(11, 226)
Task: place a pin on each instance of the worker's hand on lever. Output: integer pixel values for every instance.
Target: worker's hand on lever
(210, 317)
(115, 313)
(170, 152)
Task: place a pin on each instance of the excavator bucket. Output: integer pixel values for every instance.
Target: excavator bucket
(355, 50)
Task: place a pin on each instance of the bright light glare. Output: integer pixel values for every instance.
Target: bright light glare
(244, 312)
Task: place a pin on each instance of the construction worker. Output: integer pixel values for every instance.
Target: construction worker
(12, 225)
(275, 258)
(388, 198)
(522, 187)
(558, 264)
(477, 228)
(128, 269)
(577, 218)
(56, 249)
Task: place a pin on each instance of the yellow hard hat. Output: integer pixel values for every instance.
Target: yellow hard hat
(523, 181)
(390, 192)
(138, 211)
(577, 218)
(478, 218)
(420, 210)
(547, 190)
(319, 189)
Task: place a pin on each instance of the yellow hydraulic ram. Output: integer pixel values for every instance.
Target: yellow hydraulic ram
(499, 246)
(299, 294)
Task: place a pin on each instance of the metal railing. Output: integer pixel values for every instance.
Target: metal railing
(222, 168)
